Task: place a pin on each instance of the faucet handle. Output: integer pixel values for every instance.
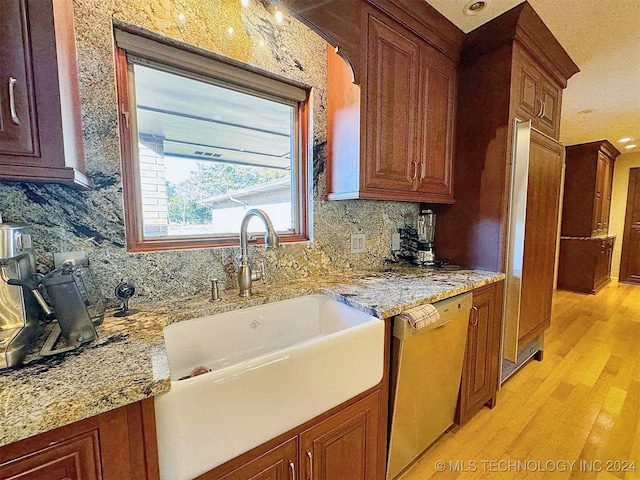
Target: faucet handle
(263, 271)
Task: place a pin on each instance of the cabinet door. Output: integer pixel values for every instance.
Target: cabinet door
(550, 98)
(536, 97)
(541, 224)
(606, 195)
(343, 446)
(18, 134)
(525, 86)
(437, 107)
(41, 139)
(601, 170)
(279, 463)
(393, 58)
(73, 459)
(482, 356)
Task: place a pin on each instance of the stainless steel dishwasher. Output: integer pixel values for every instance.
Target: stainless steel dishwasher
(426, 370)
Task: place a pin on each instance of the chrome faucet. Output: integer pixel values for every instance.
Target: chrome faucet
(245, 276)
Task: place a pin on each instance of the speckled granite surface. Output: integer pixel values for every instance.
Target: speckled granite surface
(594, 238)
(128, 362)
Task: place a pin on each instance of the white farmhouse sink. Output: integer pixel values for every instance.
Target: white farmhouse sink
(274, 367)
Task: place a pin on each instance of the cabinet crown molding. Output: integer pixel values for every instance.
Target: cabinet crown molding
(523, 24)
(604, 146)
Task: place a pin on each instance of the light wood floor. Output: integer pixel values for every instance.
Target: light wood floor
(580, 404)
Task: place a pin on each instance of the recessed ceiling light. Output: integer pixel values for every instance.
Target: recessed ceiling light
(630, 146)
(474, 7)
(624, 140)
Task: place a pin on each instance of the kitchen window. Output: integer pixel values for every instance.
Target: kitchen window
(203, 140)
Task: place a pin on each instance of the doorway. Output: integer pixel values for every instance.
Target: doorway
(630, 258)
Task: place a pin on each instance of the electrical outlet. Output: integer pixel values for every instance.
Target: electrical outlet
(395, 242)
(358, 243)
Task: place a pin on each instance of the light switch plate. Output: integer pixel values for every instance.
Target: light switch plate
(395, 242)
(358, 243)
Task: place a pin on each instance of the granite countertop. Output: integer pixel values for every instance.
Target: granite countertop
(128, 361)
(594, 238)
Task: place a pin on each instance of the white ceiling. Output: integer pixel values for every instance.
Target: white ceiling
(602, 37)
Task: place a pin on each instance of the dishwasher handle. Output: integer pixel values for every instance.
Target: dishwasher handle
(449, 309)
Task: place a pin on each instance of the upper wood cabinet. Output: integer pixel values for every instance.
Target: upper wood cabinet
(587, 189)
(537, 97)
(408, 134)
(40, 123)
(391, 98)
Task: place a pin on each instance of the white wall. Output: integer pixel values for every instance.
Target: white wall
(618, 203)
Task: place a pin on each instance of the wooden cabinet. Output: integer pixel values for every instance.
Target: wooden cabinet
(391, 138)
(474, 231)
(278, 463)
(587, 189)
(344, 445)
(481, 367)
(540, 238)
(584, 264)
(409, 98)
(508, 67)
(537, 97)
(40, 123)
(116, 445)
(75, 458)
(391, 97)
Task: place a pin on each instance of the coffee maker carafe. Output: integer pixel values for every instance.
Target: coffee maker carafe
(20, 314)
(425, 254)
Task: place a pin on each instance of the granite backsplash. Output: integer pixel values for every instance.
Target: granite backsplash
(65, 219)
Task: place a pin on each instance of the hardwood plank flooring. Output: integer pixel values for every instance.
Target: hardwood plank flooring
(575, 415)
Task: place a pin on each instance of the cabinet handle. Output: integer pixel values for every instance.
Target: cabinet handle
(415, 169)
(12, 101)
(422, 170)
(310, 457)
(539, 114)
(292, 466)
(544, 109)
(476, 314)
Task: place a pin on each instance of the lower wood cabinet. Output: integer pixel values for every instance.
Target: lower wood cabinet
(116, 445)
(279, 463)
(584, 264)
(344, 446)
(75, 458)
(481, 367)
